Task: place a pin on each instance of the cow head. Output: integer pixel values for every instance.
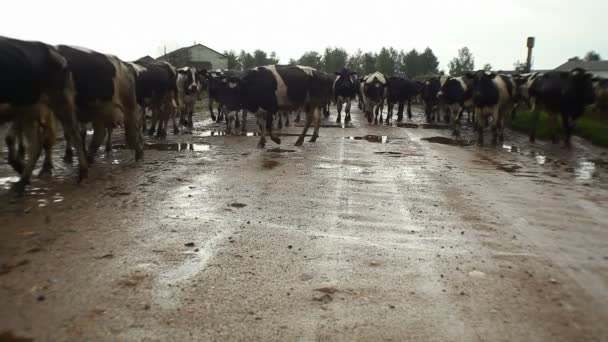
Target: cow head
(582, 82)
(374, 88)
(345, 83)
(188, 80)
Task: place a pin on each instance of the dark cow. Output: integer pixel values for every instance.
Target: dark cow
(374, 93)
(229, 97)
(493, 96)
(561, 93)
(456, 94)
(188, 88)
(401, 91)
(429, 91)
(105, 96)
(156, 88)
(344, 90)
(276, 88)
(36, 84)
(213, 80)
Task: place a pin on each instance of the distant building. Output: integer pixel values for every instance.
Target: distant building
(597, 68)
(146, 59)
(198, 56)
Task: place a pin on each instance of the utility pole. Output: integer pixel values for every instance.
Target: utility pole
(530, 45)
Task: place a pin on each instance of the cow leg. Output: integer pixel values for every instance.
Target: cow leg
(495, 124)
(143, 119)
(317, 118)
(568, 125)
(347, 117)
(228, 123)
(211, 109)
(479, 115)
(389, 113)
(269, 116)
(49, 132)
(172, 113)
(378, 113)
(400, 108)
(32, 134)
(155, 119)
(99, 132)
(14, 159)
(409, 108)
(244, 126)
(237, 122)
(109, 140)
(535, 115)
(280, 119)
(339, 108)
(309, 117)
(261, 119)
(455, 113)
(287, 118)
(190, 114)
(68, 156)
(553, 127)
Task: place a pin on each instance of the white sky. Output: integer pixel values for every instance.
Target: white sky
(494, 30)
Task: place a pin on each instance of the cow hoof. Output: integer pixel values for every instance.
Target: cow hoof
(313, 139)
(338, 120)
(91, 159)
(175, 130)
(139, 155)
(277, 140)
(299, 142)
(399, 118)
(83, 173)
(151, 132)
(261, 144)
(46, 171)
(19, 187)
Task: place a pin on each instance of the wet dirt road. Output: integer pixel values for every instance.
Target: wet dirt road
(374, 233)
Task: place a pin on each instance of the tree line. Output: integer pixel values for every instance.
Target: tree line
(388, 60)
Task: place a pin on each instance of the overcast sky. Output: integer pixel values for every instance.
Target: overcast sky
(495, 31)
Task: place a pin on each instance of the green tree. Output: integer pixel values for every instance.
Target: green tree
(233, 59)
(463, 63)
(355, 62)
(292, 61)
(411, 64)
(312, 59)
(246, 60)
(487, 67)
(386, 61)
(592, 56)
(428, 62)
(574, 59)
(520, 67)
(334, 59)
(368, 64)
(273, 59)
(260, 58)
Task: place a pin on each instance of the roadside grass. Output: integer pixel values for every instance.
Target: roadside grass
(592, 126)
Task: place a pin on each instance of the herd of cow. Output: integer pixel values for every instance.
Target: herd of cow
(79, 86)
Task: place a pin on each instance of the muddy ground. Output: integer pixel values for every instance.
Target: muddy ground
(373, 233)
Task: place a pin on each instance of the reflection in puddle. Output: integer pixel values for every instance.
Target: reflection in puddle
(512, 149)
(540, 159)
(167, 147)
(380, 139)
(269, 164)
(584, 170)
(6, 182)
(449, 141)
(211, 133)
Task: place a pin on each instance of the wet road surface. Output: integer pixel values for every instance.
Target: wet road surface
(373, 233)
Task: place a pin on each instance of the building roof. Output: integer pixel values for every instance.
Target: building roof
(592, 66)
(190, 47)
(146, 59)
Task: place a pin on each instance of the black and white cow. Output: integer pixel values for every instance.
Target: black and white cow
(344, 90)
(493, 96)
(456, 94)
(188, 87)
(276, 88)
(156, 88)
(105, 96)
(213, 82)
(561, 93)
(430, 89)
(374, 93)
(401, 91)
(35, 85)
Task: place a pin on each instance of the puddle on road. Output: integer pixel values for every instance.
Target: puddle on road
(449, 141)
(584, 170)
(434, 126)
(512, 149)
(167, 147)
(380, 139)
(279, 150)
(407, 125)
(269, 164)
(7, 182)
